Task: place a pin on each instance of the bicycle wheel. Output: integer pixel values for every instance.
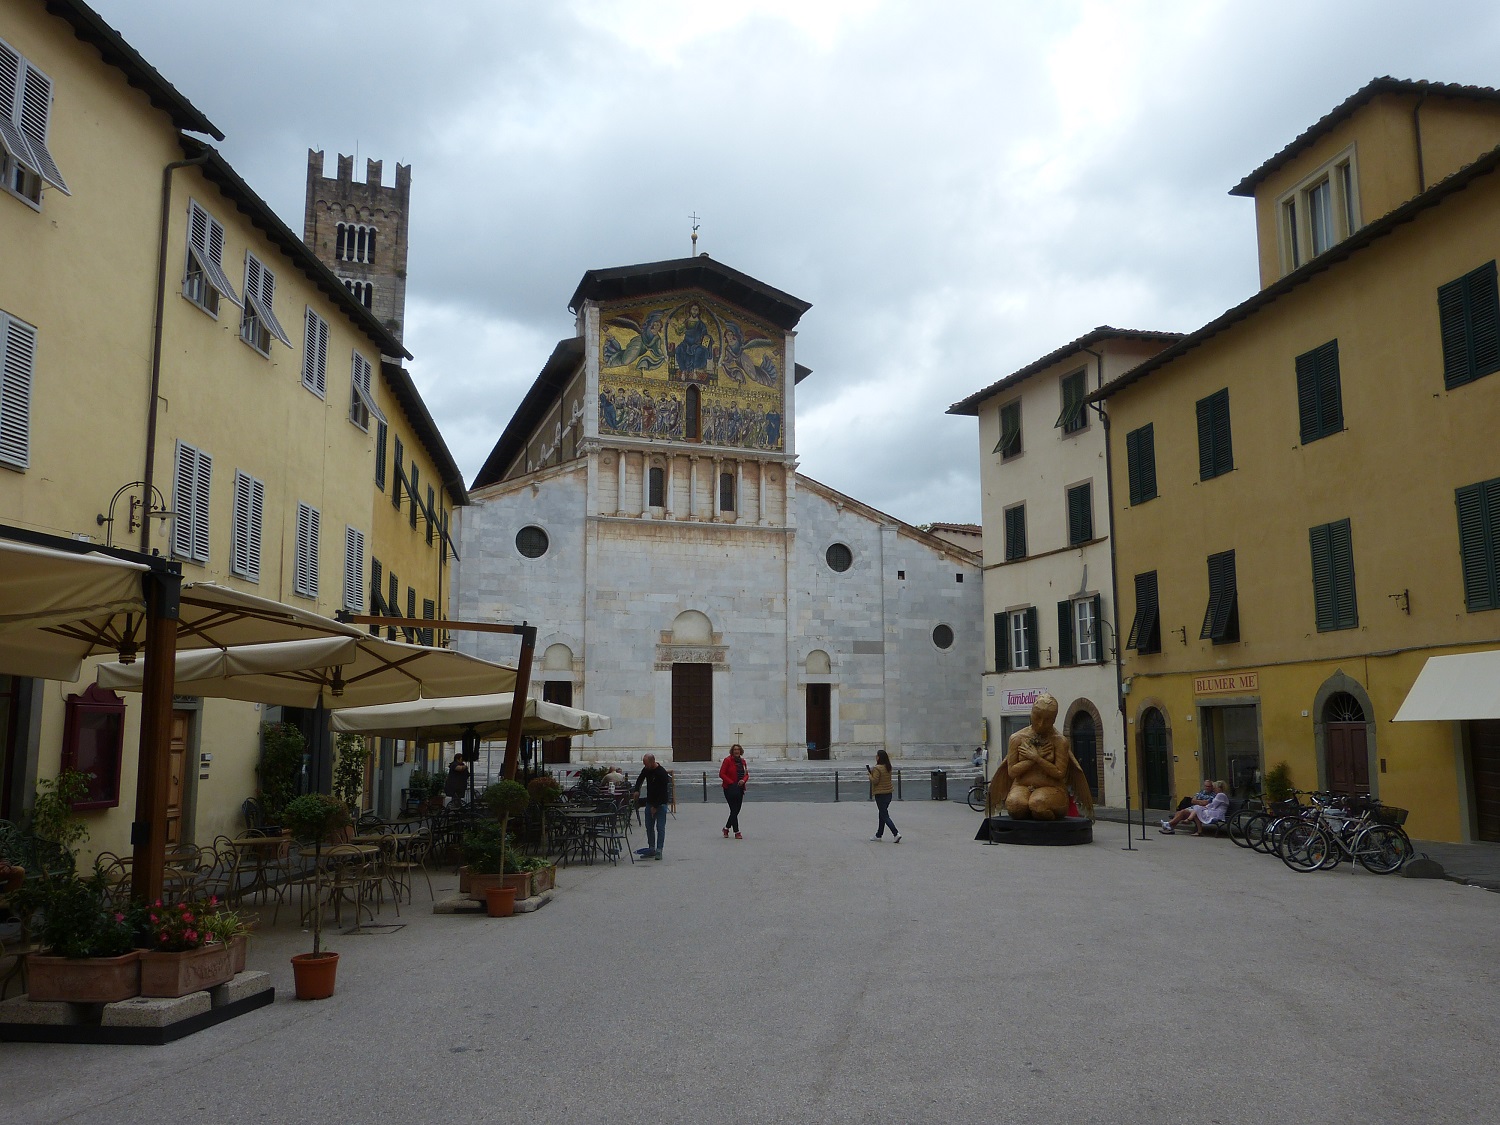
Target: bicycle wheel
(1382, 848)
(1305, 847)
(1237, 827)
(1255, 831)
(976, 797)
(1277, 831)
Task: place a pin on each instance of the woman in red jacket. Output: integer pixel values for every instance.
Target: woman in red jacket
(734, 774)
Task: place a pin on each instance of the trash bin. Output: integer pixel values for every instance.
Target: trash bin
(939, 785)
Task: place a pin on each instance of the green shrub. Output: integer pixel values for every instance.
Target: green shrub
(1278, 782)
(349, 773)
(281, 750)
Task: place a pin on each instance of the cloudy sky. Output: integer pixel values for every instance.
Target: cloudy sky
(957, 186)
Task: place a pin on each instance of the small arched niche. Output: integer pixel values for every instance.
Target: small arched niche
(692, 628)
(818, 663)
(557, 658)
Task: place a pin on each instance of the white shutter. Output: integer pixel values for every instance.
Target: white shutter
(268, 306)
(306, 580)
(36, 108)
(201, 481)
(182, 500)
(252, 281)
(315, 353)
(18, 343)
(12, 78)
(206, 237)
(354, 570)
(249, 510)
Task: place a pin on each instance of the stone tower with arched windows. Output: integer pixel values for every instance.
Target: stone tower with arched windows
(358, 230)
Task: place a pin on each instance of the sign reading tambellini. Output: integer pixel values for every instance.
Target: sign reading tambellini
(1236, 684)
(1022, 700)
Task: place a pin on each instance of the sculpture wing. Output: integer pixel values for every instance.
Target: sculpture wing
(999, 789)
(1080, 786)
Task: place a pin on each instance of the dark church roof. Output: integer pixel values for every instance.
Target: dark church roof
(547, 389)
(781, 309)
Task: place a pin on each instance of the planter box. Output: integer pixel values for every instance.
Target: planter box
(239, 952)
(83, 980)
(463, 880)
(521, 881)
(479, 884)
(544, 879)
(177, 974)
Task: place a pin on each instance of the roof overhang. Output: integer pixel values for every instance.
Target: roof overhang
(755, 297)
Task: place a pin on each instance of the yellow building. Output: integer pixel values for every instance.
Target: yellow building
(169, 344)
(1307, 502)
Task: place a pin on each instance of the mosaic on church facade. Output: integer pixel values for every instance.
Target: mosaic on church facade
(657, 356)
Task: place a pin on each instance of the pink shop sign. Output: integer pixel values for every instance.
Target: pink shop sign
(1022, 700)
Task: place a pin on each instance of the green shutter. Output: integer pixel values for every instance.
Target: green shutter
(1223, 449)
(1065, 651)
(1145, 632)
(1484, 321)
(1205, 439)
(1098, 630)
(1323, 584)
(1454, 321)
(1307, 396)
(1033, 642)
(1478, 521)
(1002, 642)
(1080, 514)
(1140, 460)
(1015, 532)
(1220, 618)
(1330, 399)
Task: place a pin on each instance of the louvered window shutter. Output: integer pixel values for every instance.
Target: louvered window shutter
(1322, 567)
(1223, 450)
(239, 542)
(19, 343)
(412, 485)
(1478, 522)
(1454, 323)
(1484, 321)
(1080, 514)
(393, 603)
(307, 551)
(1140, 459)
(12, 77)
(429, 612)
(315, 353)
(1205, 439)
(1065, 650)
(380, 440)
(36, 108)
(1330, 397)
(257, 520)
(1341, 547)
(1002, 642)
(1033, 641)
(252, 277)
(354, 570)
(182, 501)
(202, 479)
(1307, 396)
(1097, 626)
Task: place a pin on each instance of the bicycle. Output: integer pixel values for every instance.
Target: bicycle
(978, 794)
(1362, 830)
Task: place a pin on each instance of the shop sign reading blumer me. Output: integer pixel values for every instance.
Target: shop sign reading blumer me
(1235, 684)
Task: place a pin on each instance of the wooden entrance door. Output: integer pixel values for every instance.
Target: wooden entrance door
(1085, 739)
(1484, 754)
(1156, 765)
(819, 721)
(1348, 758)
(692, 712)
(557, 751)
(182, 724)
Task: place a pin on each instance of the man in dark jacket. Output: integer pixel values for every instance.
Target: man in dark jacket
(658, 783)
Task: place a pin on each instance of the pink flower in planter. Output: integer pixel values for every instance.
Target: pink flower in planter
(121, 918)
(191, 935)
(162, 938)
(186, 917)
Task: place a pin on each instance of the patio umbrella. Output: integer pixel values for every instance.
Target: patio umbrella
(373, 671)
(448, 720)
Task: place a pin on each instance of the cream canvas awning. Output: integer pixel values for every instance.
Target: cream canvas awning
(448, 720)
(1454, 688)
(371, 671)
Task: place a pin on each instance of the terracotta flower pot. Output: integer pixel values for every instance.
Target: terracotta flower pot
(83, 980)
(314, 974)
(192, 970)
(500, 901)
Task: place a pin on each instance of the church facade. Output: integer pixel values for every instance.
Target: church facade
(643, 509)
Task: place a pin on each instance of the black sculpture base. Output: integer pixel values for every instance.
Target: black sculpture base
(1037, 833)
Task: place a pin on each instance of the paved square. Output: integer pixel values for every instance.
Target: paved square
(808, 975)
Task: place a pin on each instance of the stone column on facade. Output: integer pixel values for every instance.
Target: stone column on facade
(739, 488)
(671, 464)
(760, 475)
(620, 486)
(692, 487)
(713, 491)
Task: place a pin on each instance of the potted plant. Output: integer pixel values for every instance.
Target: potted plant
(435, 796)
(483, 848)
(1278, 783)
(52, 816)
(183, 954)
(315, 816)
(229, 927)
(90, 949)
(349, 773)
(418, 786)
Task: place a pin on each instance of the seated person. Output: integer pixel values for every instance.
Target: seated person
(1212, 811)
(1204, 795)
(614, 777)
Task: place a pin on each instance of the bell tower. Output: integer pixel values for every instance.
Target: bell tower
(359, 231)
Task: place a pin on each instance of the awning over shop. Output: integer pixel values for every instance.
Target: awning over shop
(42, 589)
(448, 720)
(1463, 686)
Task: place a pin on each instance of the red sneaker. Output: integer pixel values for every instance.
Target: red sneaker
(726, 833)
(737, 836)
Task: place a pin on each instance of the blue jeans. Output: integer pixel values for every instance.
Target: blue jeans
(883, 802)
(656, 827)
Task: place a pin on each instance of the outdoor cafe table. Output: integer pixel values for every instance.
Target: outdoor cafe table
(260, 856)
(580, 835)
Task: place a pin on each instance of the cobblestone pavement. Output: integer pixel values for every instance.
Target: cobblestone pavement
(808, 975)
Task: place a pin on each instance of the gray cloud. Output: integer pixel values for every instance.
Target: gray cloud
(958, 187)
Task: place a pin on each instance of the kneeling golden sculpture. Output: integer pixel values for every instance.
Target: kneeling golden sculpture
(1032, 782)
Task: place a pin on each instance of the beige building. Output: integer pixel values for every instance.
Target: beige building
(181, 374)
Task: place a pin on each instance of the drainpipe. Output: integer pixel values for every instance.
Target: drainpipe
(1114, 593)
(1416, 128)
(161, 302)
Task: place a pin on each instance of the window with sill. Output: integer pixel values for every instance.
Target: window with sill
(1215, 449)
(315, 353)
(1009, 444)
(25, 120)
(1469, 316)
(1015, 532)
(1140, 461)
(1017, 646)
(1335, 606)
(258, 323)
(1145, 628)
(1479, 543)
(361, 399)
(1074, 416)
(1080, 514)
(1320, 403)
(656, 487)
(191, 487)
(1078, 631)
(204, 282)
(361, 291)
(1221, 619)
(249, 515)
(1319, 212)
(726, 492)
(305, 575)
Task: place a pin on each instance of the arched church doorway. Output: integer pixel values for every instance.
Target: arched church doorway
(557, 660)
(1156, 761)
(692, 693)
(1346, 741)
(819, 709)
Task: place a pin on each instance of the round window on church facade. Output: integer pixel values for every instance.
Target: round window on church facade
(942, 636)
(531, 542)
(840, 558)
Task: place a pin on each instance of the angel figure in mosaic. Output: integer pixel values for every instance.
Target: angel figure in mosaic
(737, 365)
(645, 349)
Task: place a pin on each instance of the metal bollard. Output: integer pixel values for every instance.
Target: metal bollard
(835, 786)
(705, 787)
(899, 797)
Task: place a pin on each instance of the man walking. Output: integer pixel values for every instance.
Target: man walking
(658, 784)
